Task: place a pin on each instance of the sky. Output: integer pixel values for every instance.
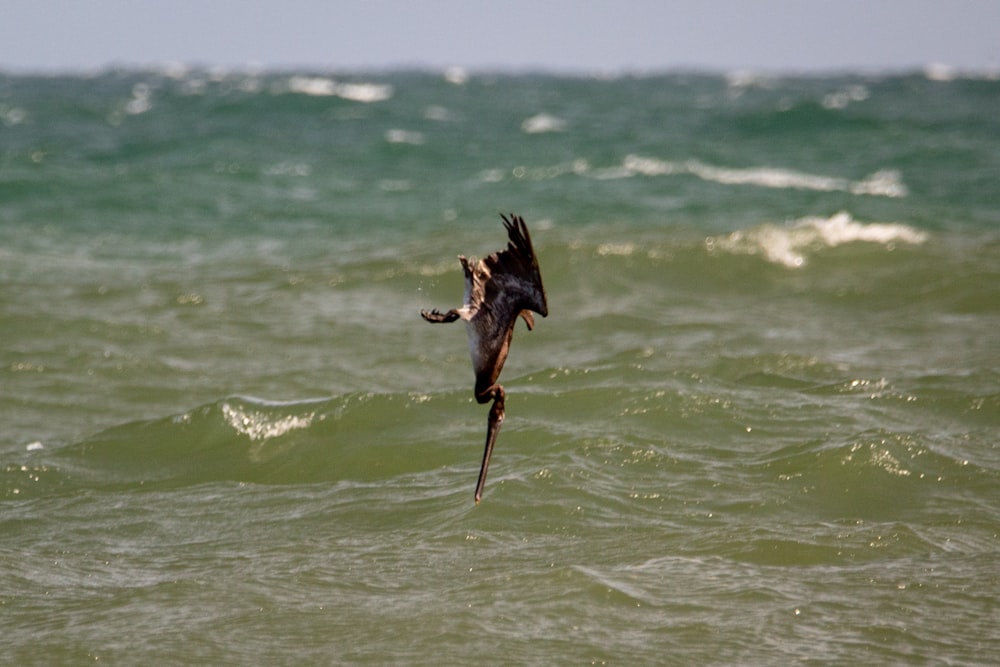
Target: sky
(596, 36)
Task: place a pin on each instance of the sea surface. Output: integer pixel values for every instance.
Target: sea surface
(760, 425)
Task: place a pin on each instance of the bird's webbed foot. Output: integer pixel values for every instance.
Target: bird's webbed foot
(436, 317)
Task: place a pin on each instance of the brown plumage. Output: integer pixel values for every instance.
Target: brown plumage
(499, 289)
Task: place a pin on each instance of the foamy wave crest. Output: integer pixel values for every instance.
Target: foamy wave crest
(843, 97)
(318, 86)
(883, 183)
(767, 177)
(787, 245)
(259, 425)
(542, 123)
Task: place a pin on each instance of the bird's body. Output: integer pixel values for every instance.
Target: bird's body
(498, 289)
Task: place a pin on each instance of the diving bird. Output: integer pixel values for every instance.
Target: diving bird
(498, 289)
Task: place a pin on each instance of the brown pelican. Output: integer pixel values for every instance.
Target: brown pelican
(498, 289)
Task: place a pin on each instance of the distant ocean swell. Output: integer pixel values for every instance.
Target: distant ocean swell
(883, 183)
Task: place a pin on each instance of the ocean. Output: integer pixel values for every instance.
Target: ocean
(760, 425)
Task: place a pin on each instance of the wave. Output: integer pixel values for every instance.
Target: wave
(362, 437)
(787, 245)
(881, 183)
(876, 474)
(317, 86)
(542, 123)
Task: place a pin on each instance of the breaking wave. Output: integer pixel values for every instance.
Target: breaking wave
(882, 183)
(787, 244)
(360, 437)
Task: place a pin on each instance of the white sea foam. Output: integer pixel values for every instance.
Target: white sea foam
(141, 101)
(491, 176)
(11, 115)
(649, 166)
(364, 92)
(543, 122)
(578, 166)
(456, 75)
(842, 228)
(843, 97)
(767, 177)
(940, 72)
(318, 86)
(616, 249)
(398, 136)
(883, 183)
(259, 426)
(312, 85)
(788, 244)
(740, 80)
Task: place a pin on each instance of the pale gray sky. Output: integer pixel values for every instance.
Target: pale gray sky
(581, 35)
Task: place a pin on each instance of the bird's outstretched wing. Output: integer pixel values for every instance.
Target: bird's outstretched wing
(499, 288)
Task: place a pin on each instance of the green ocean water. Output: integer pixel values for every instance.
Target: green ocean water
(761, 424)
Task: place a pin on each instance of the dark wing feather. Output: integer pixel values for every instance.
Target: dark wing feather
(515, 270)
(503, 286)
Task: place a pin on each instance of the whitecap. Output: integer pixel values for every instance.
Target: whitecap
(768, 177)
(174, 70)
(456, 75)
(843, 97)
(318, 86)
(396, 136)
(842, 228)
(312, 85)
(543, 122)
(11, 115)
(648, 166)
(616, 249)
(738, 81)
(883, 183)
(141, 101)
(787, 245)
(364, 92)
(940, 72)
(491, 176)
(259, 426)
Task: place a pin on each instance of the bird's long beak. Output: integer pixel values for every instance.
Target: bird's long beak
(492, 428)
